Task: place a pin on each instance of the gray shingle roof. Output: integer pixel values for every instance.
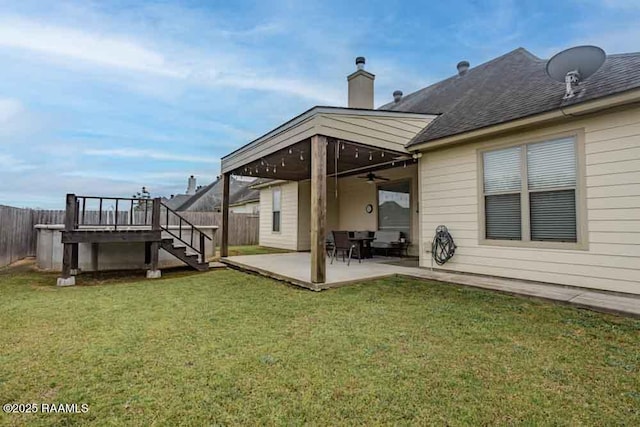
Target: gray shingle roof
(176, 201)
(244, 195)
(209, 198)
(506, 88)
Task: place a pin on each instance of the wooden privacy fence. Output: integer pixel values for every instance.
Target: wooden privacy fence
(18, 234)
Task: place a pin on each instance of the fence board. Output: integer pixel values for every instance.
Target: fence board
(18, 235)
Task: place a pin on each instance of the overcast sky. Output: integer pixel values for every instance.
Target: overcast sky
(103, 97)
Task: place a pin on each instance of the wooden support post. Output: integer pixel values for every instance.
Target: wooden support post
(74, 259)
(318, 208)
(203, 250)
(147, 253)
(155, 214)
(224, 237)
(153, 251)
(68, 251)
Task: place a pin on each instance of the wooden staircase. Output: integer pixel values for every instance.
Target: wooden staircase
(180, 252)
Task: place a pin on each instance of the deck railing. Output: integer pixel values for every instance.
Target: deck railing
(191, 229)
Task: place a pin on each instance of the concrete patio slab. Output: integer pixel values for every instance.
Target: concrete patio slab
(295, 268)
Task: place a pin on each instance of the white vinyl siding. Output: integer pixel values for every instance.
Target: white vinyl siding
(611, 258)
(288, 235)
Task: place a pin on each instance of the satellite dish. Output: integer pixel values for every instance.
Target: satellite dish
(573, 65)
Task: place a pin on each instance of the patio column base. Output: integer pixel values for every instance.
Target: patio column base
(66, 281)
(154, 274)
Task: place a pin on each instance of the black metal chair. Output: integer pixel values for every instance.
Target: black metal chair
(328, 244)
(341, 243)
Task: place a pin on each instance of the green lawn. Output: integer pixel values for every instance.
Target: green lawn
(229, 348)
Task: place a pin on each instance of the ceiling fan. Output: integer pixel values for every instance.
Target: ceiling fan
(372, 177)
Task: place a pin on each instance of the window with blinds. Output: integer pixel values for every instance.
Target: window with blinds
(531, 187)
(276, 209)
(551, 180)
(502, 188)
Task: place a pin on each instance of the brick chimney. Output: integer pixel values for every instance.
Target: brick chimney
(361, 86)
(191, 187)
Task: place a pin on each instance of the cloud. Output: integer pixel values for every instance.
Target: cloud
(107, 50)
(135, 153)
(182, 63)
(9, 163)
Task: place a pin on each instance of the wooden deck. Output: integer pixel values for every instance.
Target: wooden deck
(153, 228)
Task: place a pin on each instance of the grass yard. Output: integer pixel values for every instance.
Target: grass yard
(229, 348)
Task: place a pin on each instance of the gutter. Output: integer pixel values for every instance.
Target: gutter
(577, 110)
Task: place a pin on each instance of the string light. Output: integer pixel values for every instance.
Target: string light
(382, 154)
(283, 162)
(343, 145)
(267, 168)
(301, 158)
(405, 164)
(370, 156)
(393, 163)
(356, 153)
(290, 151)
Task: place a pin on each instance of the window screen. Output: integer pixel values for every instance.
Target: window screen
(276, 208)
(551, 175)
(502, 187)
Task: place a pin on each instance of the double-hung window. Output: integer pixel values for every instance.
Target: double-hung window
(276, 208)
(530, 192)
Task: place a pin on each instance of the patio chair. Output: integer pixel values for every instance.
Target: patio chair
(328, 244)
(341, 243)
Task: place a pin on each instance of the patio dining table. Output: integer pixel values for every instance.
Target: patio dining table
(364, 246)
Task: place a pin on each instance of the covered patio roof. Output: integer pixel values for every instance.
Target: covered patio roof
(363, 136)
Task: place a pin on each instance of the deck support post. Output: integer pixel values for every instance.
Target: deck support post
(318, 208)
(224, 237)
(152, 250)
(75, 249)
(68, 250)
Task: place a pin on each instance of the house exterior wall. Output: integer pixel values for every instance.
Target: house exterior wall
(287, 237)
(355, 194)
(383, 132)
(610, 259)
(346, 212)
